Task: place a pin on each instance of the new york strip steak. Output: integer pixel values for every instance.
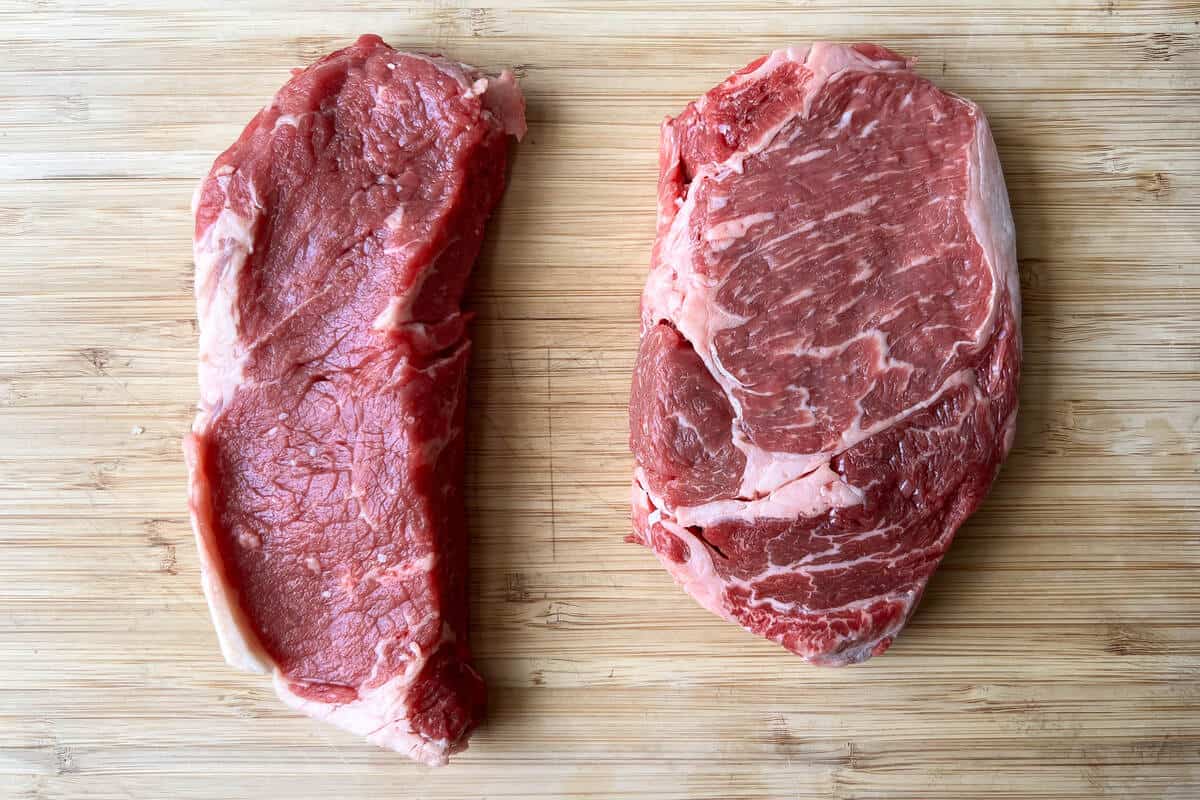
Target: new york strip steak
(333, 242)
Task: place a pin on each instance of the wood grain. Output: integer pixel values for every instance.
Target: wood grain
(1058, 652)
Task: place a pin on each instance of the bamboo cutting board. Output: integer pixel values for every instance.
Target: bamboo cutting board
(1057, 654)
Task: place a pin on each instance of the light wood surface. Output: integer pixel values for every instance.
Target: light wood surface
(1057, 654)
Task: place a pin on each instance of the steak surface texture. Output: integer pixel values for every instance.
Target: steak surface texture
(827, 379)
(333, 241)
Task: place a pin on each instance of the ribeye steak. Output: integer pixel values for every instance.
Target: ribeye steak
(827, 379)
(332, 244)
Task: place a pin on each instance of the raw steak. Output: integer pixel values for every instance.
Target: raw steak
(827, 379)
(332, 244)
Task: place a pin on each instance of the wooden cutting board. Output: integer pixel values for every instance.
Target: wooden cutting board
(1058, 651)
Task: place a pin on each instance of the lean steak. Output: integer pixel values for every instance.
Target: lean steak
(332, 244)
(827, 379)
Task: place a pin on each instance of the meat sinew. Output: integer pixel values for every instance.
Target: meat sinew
(827, 379)
(332, 244)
